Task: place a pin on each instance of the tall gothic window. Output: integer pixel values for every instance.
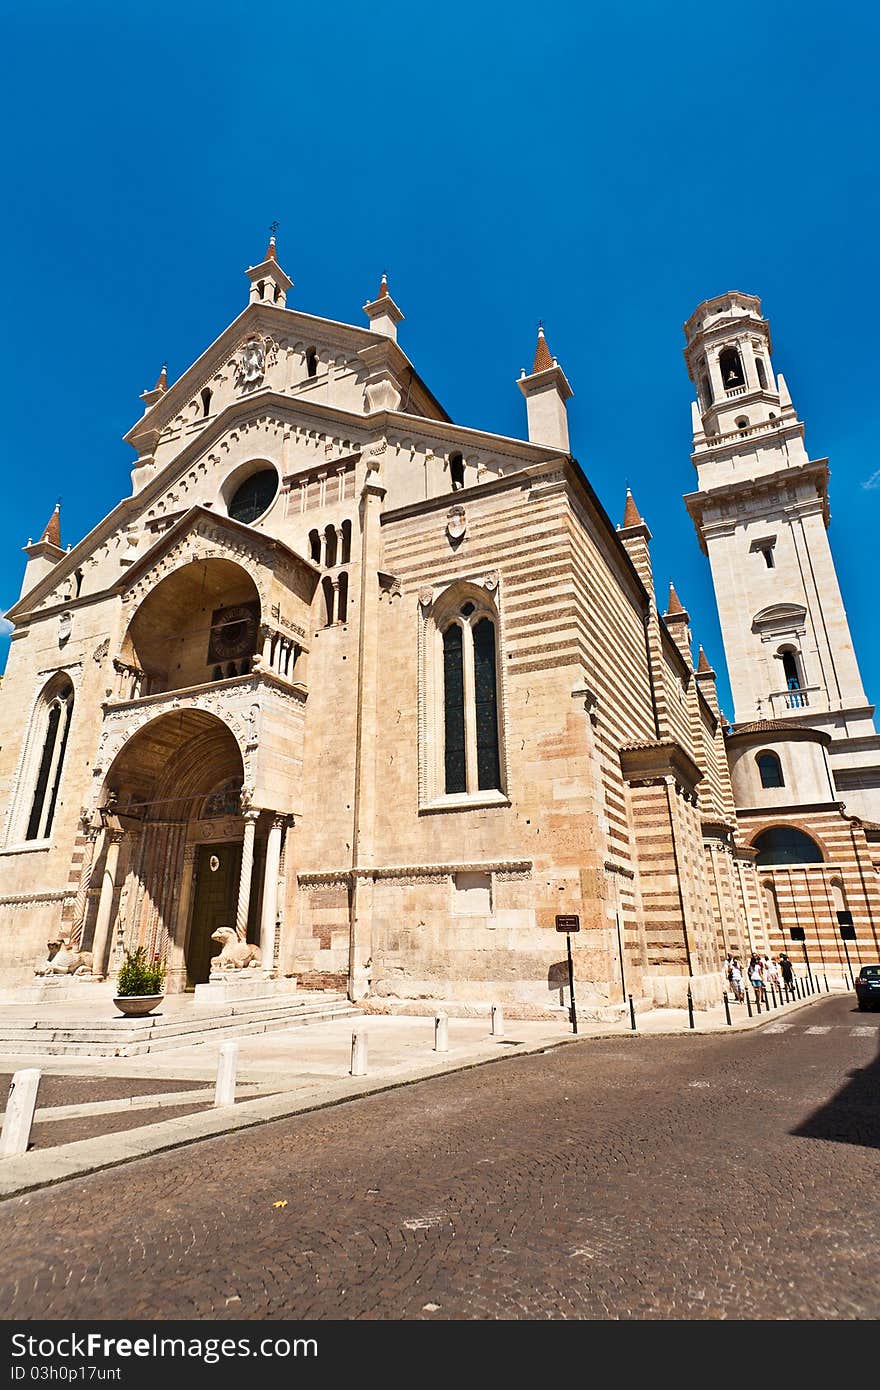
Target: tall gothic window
(47, 747)
(471, 753)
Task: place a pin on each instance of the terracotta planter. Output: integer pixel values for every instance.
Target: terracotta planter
(137, 1005)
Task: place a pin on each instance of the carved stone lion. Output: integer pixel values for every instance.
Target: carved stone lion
(65, 959)
(237, 953)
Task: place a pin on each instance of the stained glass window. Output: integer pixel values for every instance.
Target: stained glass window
(486, 702)
(453, 691)
(254, 496)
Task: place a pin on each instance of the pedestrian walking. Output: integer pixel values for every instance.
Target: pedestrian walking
(736, 981)
(787, 971)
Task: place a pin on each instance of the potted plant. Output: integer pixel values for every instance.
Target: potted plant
(140, 985)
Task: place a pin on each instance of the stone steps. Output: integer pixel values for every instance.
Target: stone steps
(122, 1037)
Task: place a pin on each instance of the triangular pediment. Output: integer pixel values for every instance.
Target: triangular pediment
(203, 534)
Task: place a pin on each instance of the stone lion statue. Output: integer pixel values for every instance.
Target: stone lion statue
(237, 953)
(65, 959)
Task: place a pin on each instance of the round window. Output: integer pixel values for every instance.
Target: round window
(254, 496)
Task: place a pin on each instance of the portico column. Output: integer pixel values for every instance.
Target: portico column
(101, 940)
(247, 869)
(270, 893)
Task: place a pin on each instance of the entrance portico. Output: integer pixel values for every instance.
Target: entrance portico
(182, 851)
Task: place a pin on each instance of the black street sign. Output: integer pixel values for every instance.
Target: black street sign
(571, 923)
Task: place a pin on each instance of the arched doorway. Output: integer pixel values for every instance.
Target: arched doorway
(174, 793)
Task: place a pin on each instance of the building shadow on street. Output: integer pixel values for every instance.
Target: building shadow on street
(852, 1116)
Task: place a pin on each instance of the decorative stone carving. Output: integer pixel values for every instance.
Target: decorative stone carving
(456, 524)
(65, 959)
(426, 597)
(250, 364)
(237, 953)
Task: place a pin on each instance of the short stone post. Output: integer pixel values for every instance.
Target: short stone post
(497, 1021)
(227, 1065)
(359, 1052)
(19, 1117)
(441, 1033)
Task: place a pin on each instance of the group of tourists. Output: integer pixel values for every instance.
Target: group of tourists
(763, 973)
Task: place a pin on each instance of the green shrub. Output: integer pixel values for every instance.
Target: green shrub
(137, 976)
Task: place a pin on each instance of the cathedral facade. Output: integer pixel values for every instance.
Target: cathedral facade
(387, 695)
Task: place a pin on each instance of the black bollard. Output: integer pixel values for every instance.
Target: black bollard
(772, 995)
(748, 1002)
(690, 1008)
(632, 1014)
(825, 978)
(727, 1010)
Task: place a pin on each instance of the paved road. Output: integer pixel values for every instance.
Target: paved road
(732, 1176)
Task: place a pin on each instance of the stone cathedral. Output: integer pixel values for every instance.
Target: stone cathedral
(384, 694)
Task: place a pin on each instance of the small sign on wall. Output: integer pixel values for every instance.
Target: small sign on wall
(569, 923)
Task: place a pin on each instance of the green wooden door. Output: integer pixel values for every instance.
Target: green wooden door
(217, 871)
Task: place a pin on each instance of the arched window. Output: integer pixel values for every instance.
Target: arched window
(762, 373)
(346, 543)
(453, 710)
(312, 361)
(472, 759)
(785, 844)
(329, 547)
(708, 394)
(261, 289)
(731, 368)
(456, 472)
(315, 546)
(770, 769)
(342, 598)
(790, 667)
(48, 745)
(742, 422)
(206, 401)
(327, 586)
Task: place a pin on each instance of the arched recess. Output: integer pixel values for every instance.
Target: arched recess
(203, 616)
(172, 795)
(43, 761)
(772, 904)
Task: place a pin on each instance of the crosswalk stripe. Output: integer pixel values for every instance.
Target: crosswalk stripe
(817, 1030)
(863, 1032)
(778, 1028)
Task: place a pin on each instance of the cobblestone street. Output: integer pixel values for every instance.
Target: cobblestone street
(717, 1177)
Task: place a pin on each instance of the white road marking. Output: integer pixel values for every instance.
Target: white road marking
(817, 1030)
(777, 1028)
(863, 1032)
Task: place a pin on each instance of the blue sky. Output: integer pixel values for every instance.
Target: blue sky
(601, 167)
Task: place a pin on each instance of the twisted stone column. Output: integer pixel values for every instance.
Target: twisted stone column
(247, 869)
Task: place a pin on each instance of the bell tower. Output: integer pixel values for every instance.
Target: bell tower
(761, 515)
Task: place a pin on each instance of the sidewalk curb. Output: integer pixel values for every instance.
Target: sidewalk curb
(46, 1168)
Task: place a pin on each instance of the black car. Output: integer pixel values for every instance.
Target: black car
(868, 986)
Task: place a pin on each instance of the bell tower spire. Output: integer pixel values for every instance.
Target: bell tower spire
(269, 284)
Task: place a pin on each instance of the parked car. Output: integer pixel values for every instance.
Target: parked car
(868, 987)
